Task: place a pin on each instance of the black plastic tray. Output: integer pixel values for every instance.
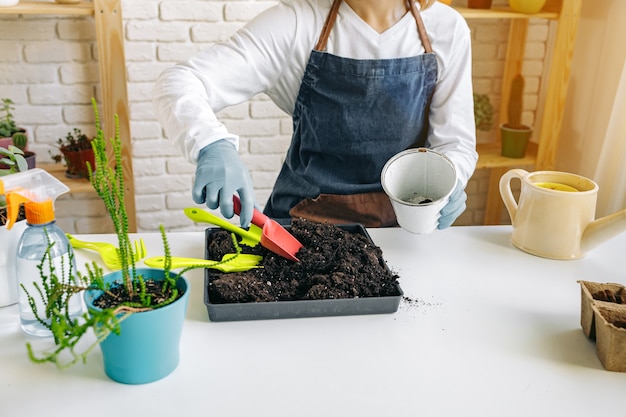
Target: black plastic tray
(300, 308)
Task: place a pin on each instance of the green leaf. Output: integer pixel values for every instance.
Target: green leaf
(22, 165)
(16, 150)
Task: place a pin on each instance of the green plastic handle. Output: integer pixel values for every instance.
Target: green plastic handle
(203, 216)
(241, 262)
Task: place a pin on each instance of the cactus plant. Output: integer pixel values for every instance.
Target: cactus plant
(20, 140)
(515, 105)
(515, 135)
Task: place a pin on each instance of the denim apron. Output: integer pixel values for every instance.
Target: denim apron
(350, 117)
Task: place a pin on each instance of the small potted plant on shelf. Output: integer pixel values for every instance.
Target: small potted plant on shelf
(7, 124)
(136, 313)
(77, 152)
(515, 135)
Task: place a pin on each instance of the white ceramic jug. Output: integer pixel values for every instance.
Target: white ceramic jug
(554, 217)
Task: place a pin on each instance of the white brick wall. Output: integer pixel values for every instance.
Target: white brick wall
(48, 66)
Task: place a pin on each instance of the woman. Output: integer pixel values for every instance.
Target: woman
(363, 79)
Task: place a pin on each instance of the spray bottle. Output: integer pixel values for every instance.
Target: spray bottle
(37, 190)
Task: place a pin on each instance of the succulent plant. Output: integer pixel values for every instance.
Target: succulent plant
(11, 161)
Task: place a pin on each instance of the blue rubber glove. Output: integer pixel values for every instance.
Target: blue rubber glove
(454, 208)
(219, 174)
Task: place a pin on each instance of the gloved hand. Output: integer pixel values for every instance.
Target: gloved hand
(454, 208)
(219, 174)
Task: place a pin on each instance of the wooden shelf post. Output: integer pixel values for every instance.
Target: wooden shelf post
(112, 62)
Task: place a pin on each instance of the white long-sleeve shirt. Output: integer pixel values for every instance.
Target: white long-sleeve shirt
(270, 53)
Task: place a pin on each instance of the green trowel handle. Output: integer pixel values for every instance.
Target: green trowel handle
(203, 216)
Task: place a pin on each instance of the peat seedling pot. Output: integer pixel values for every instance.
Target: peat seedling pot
(603, 319)
(341, 272)
(148, 347)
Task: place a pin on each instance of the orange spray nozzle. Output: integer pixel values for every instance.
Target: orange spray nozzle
(36, 188)
(14, 200)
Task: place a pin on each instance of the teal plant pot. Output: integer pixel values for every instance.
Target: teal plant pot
(148, 347)
(514, 141)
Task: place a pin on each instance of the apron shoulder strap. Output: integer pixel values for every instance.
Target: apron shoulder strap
(332, 16)
(420, 27)
(328, 26)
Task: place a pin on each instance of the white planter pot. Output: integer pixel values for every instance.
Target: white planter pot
(8, 256)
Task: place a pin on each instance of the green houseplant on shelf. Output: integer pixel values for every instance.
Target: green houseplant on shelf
(7, 123)
(135, 313)
(76, 150)
(483, 112)
(514, 134)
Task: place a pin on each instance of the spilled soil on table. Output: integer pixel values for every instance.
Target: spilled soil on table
(334, 263)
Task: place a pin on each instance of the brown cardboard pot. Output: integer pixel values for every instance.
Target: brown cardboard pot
(603, 318)
(611, 336)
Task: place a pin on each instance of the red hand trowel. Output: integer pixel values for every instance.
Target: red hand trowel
(273, 236)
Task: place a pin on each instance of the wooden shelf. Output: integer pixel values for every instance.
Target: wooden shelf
(76, 185)
(83, 8)
(489, 156)
(542, 154)
(112, 65)
(505, 13)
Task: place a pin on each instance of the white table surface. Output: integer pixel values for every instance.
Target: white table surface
(489, 331)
